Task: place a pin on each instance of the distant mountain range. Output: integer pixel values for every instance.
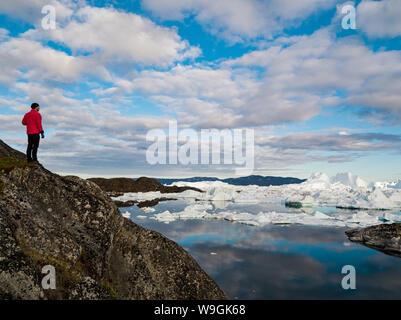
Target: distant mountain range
(263, 181)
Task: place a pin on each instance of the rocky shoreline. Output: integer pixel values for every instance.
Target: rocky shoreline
(383, 237)
(141, 204)
(116, 187)
(71, 224)
(143, 184)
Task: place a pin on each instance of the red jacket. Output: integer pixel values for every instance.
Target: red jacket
(33, 122)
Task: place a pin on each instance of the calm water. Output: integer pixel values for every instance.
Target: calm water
(279, 262)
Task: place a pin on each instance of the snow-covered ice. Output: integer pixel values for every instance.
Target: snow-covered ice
(348, 179)
(343, 190)
(349, 218)
(148, 209)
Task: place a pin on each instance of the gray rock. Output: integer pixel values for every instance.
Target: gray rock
(384, 237)
(71, 224)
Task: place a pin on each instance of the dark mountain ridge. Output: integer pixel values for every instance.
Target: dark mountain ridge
(258, 180)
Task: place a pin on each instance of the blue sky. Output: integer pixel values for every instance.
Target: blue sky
(318, 97)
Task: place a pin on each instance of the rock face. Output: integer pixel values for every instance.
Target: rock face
(143, 184)
(384, 237)
(71, 224)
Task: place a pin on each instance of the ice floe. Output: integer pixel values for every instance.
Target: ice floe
(350, 218)
(343, 190)
(148, 209)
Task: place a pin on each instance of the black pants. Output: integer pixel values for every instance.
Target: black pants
(33, 145)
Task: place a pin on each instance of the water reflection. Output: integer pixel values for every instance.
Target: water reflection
(280, 262)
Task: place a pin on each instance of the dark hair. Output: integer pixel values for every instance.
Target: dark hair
(34, 105)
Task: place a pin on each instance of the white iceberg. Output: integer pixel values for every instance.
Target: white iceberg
(348, 179)
(343, 190)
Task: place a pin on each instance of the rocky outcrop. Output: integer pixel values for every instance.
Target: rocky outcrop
(141, 204)
(71, 224)
(384, 237)
(143, 184)
(115, 187)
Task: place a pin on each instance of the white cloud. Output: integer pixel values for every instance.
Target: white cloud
(10, 123)
(239, 19)
(301, 76)
(311, 71)
(333, 142)
(188, 81)
(285, 151)
(380, 19)
(117, 36)
(292, 10)
(3, 34)
(31, 60)
(196, 93)
(299, 81)
(235, 15)
(106, 36)
(31, 10)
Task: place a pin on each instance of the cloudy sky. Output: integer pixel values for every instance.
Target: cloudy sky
(319, 97)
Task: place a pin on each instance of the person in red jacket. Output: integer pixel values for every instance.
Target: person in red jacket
(33, 122)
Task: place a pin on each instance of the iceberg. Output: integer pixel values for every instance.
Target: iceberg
(318, 180)
(348, 179)
(343, 190)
